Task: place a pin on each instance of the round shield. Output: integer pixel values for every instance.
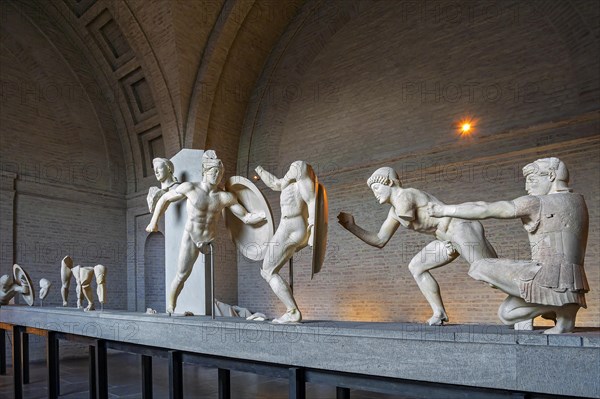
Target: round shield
(22, 278)
(319, 239)
(251, 240)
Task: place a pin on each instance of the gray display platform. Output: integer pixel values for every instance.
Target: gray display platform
(472, 355)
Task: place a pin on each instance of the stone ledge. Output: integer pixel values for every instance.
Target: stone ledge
(472, 355)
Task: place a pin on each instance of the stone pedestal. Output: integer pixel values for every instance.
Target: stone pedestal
(195, 296)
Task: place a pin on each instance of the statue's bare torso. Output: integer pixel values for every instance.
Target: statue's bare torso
(204, 206)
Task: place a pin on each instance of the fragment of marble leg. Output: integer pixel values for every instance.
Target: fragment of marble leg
(87, 275)
(283, 291)
(65, 277)
(565, 319)
(100, 272)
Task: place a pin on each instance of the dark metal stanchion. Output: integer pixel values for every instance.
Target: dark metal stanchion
(92, 371)
(292, 274)
(146, 377)
(17, 365)
(212, 281)
(342, 393)
(57, 364)
(51, 361)
(224, 384)
(101, 370)
(297, 383)
(2, 352)
(175, 375)
(25, 356)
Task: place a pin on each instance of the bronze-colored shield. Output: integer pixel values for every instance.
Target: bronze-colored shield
(319, 238)
(250, 240)
(22, 278)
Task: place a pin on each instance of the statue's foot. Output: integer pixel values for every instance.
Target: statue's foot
(170, 310)
(565, 319)
(89, 307)
(291, 316)
(65, 304)
(558, 330)
(525, 325)
(438, 320)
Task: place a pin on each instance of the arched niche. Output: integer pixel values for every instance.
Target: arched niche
(154, 272)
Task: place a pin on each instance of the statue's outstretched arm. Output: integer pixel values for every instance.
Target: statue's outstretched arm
(161, 207)
(475, 210)
(380, 239)
(272, 181)
(247, 217)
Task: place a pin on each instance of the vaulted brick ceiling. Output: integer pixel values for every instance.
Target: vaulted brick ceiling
(171, 74)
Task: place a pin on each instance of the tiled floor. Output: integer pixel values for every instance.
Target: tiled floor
(124, 382)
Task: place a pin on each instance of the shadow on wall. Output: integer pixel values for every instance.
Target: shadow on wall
(154, 272)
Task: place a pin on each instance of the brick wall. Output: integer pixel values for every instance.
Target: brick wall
(353, 86)
(66, 193)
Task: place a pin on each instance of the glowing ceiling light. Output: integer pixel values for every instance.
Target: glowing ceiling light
(466, 127)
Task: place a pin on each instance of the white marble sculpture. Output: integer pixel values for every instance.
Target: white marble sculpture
(66, 266)
(204, 203)
(83, 279)
(44, 289)
(553, 283)
(164, 172)
(100, 273)
(19, 282)
(453, 237)
(298, 201)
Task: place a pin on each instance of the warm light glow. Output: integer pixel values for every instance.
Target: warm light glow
(466, 127)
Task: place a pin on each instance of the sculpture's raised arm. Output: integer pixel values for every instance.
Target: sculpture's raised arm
(270, 180)
(162, 205)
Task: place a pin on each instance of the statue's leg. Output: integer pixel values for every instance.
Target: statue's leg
(86, 286)
(79, 294)
(100, 272)
(515, 309)
(188, 253)
(565, 319)
(469, 239)
(499, 273)
(65, 276)
(281, 249)
(432, 256)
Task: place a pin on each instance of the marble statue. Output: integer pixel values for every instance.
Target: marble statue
(553, 283)
(454, 237)
(44, 289)
(100, 273)
(83, 279)
(163, 170)
(19, 282)
(204, 203)
(298, 200)
(66, 266)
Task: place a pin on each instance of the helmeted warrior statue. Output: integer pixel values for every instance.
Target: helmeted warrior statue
(553, 284)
